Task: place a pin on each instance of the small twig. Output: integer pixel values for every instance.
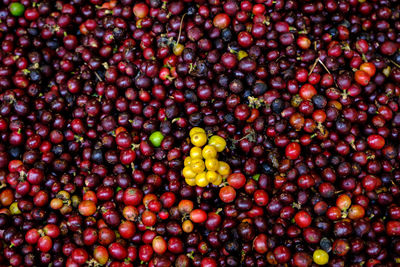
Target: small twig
(323, 65)
(98, 76)
(394, 63)
(180, 29)
(364, 58)
(313, 66)
(282, 56)
(327, 70)
(95, 72)
(249, 135)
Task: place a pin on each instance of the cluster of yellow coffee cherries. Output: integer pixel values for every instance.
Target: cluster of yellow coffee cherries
(202, 166)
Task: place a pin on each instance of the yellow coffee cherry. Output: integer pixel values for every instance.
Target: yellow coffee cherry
(187, 161)
(188, 172)
(199, 139)
(218, 181)
(320, 257)
(212, 176)
(201, 179)
(14, 208)
(241, 54)
(197, 165)
(224, 168)
(64, 195)
(212, 164)
(209, 152)
(195, 130)
(191, 182)
(178, 49)
(218, 142)
(195, 153)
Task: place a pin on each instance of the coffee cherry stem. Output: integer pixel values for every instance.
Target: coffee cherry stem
(313, 66)
(394, 63)
(180, 29)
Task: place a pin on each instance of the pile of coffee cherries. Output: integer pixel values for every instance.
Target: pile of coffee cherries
(202, 166)
(199, 133)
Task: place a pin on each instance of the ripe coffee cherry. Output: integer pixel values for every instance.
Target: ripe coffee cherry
(302, 219)
(362, 77)
(376, 141)
(292, 151)
(221, 21)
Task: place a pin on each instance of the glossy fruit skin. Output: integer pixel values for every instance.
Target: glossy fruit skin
(218, 142)
(16, 9)
(260, 243)
(376, 141)
(199, 139)
(35, 176)
(236, 180)
(212, 165)
(201, 179)
(32, 236)
(282, 254)
(261, 197)
(195, 153)
(87, 208)
(132, 196)
(393, 228)
(52, 230)
(45, 243)
(117, 251)
(208, 262)
(320, 257)
(340, 247)
(223, 168)
(209, 152)
(356, 212)
(293, 150)
(303, 42)
(362, 46)
(127, 229)
(362, 77)
(156, 138)
(197, 165)
(140, 10)
(343, 202)
(195, 130)
(302, 219)
(221, 21)
(198, 216)
(79, 255)
(388, 48)
(307, 91)
(100, 253)
(227, 194)
(368, 68)
(188, 172)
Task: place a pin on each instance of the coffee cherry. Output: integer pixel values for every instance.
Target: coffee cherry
(16, 9)
(320, 257)
(156, 138)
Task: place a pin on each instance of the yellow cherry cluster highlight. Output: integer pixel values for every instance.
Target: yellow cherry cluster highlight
(202, 167)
